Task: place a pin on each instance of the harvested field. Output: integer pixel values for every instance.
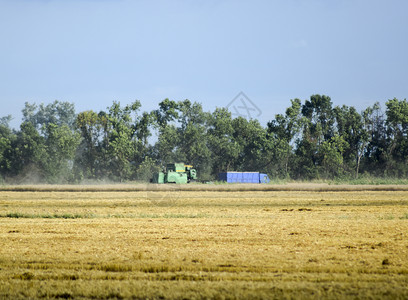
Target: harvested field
(172, 244)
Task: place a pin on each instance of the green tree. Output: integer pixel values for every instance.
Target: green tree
(331, 152)
(58, 113)
(192, 137)
(164, 121)
(121, 143)
(146, 169)
(375, 158)
(319, 112)
(7, 137)
(397, 123)
(48, 141)
(90, 126)
(351, 127)
(317, 122)
(283, 130)
(113, 143)
(252, 140)
(167, 112)
(167, 142)
(61, 145)
(28, 155)
(224, 149)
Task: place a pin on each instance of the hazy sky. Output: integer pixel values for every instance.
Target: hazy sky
(93, 52)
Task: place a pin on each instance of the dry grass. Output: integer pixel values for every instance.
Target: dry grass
(199, 187)
(208, 244)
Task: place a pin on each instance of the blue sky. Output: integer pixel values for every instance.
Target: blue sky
(93, 52)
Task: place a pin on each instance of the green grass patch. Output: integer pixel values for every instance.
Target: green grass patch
(404, 217)
(16, 215)
(388, 217)
(46, 216)
(158, 216)
(184, 216)
(368, 180)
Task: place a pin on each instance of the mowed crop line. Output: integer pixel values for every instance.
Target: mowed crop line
(234, 187)
(55, 244)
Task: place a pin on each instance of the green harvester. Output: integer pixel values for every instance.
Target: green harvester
(176, 173)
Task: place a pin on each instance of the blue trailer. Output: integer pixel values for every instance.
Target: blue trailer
(243, 177)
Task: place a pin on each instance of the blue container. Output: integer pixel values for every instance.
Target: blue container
(243, 177)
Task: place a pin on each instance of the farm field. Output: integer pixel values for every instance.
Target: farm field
(172, 244)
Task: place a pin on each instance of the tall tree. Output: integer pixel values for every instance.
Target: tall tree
(61, 145)
(318, 127)
(121, 145)
(7, 137)
(283, 130)
(91, 127)
(58, 113)
(192, 137)
(253, 144)
(375, 156)
(224, 149)
(164, 121)
(397, 123)
(350, 126)
(331, 153)
(29, 154)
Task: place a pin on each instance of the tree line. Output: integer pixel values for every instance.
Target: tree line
(311, 140)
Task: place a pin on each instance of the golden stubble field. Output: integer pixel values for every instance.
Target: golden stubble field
(204, 244)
